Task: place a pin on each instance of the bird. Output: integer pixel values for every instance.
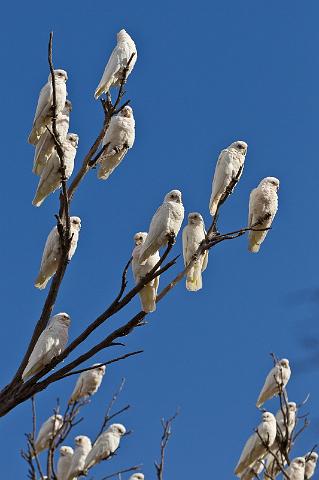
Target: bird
(64, 462)
(251, 472)
(311, 463)
(88, 383)
(45, 145)
(229, 168)
(276, 379)
(47, 431)
(137, 476)
(105, 445)
(118, 139)
(52, 252)
(82, 449)
(44, 111)
(263, 206)
(193, 234)
(286, 421)
(149, 292)
(296, 469)
(50, 344)
(255, 447)
(50, 179)
(165, 224)
(114, 70)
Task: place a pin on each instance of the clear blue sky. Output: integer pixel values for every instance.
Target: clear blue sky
(208, 73)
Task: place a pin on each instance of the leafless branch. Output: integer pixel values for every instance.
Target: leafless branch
(167, 425)
(109, 408)
(130, 469)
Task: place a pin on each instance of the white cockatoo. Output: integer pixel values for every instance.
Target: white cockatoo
(166, 222)
(88, 383)
(296, 469)
(83, 447)
(286, 421)
(263, 204)
(50, 179)
(254, 448)
(52, 252)
(64, 462)
(45, 146)
(252, 472)
(311, 463)
(47, 431)
(193, 234)
(44, 111)
(277, 377)
(137, 476)
(119, 137)
(149, 292)
(50, 344)
(229, 167)
(113, 73)
(105, 445)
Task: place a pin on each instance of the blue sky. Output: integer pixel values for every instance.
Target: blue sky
(208, 73)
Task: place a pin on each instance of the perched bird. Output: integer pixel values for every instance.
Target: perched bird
(119, 137)
(263, 204)
(50, 179)
(149, 292)
(113, 73)
(83, 447)
(45, 146)
(44, 111)
(52, 252)
(88, 383)
(229, 167)
(277, 377)
(193, 234)
(66, 454)
(137, 476)
(105, 445)
(286, 421)
(255, 447)
(253, 471)
(296, 469)
(166, 223)
(311, 463)
(50, 344)
(47, 431)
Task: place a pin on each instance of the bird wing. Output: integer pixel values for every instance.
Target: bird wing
(185, 245)
(223, 173)
(252, 199)
(158, 226)
(51, 248)
(113, 66)
(247, 456)
(44, 101)
(269, 389)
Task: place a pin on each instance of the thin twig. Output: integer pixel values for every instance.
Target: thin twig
(125, 470)
(166, 424)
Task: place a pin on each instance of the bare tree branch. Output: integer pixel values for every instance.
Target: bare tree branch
(167, 425)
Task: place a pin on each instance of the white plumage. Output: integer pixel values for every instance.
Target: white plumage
(263, 202)
(254, 448)
(137, 476)
(120, 137)
(44, 112)
(50, 179)
(230, 162)
(278, 375)
(118, 60)
(105, 445)
(149, 292)
(193, 234)
(88, 383)
(253, 471)
(166, 222)
(311, 463)
(45, 146)
(47, 431)
(64, 462)
(50, 344)
(52, 252)
(296, 470)
(83, 447)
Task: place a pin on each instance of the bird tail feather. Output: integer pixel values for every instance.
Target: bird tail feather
(148, 297)
(41, 281)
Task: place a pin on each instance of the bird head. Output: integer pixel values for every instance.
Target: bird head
(60, 75)
(62, 318)
(137, 476)
(292, 407)
(127, 112)
(195, 218)
(273, 182)
(311, 457)
(139, 238)
(117, 429)
(100, 368)
(73, 138)
(173, 196)
(240, 146)
(298, 463)
(284, 363)
(82, 440)
(121, 35)
(76, 222)
(66, 451)
(67, 107)
(268, 417)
